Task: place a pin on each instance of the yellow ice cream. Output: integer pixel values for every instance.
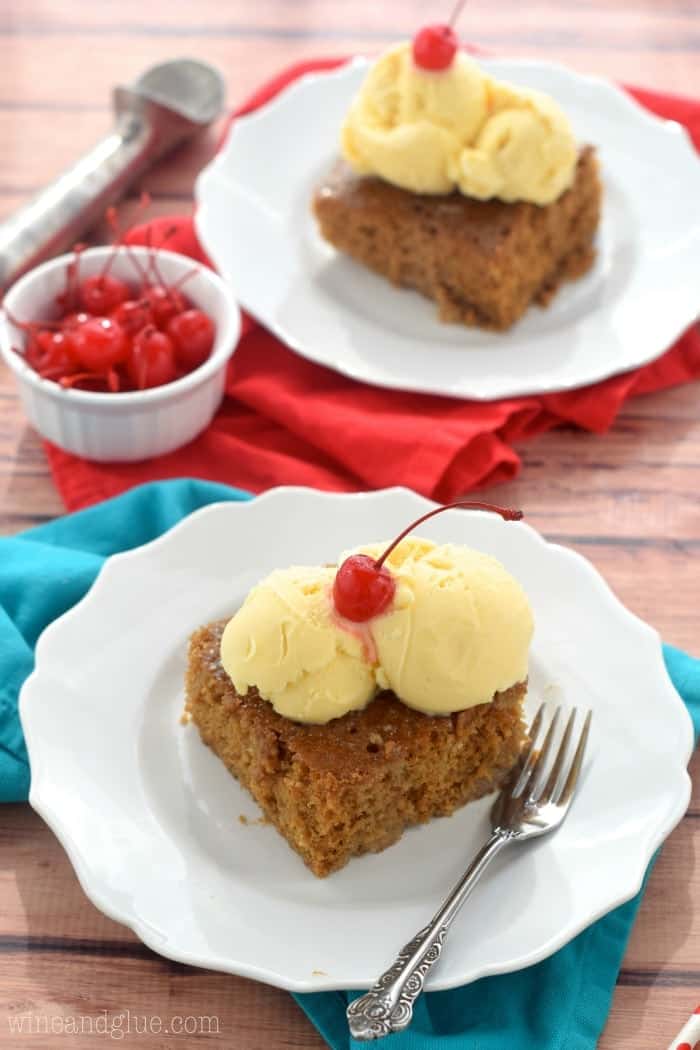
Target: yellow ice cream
(457, 632)
(433, 132)
(283, 641)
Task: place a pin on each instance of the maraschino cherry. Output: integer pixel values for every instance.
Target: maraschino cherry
(152, 359)
(111, 335)
(98, 344)
(364, 588)
(435, 46)
(193, 334)
(102, 292)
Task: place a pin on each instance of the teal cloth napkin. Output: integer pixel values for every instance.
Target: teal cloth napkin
(559, 1004)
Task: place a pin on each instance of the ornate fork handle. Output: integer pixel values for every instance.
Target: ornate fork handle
(388, 1005)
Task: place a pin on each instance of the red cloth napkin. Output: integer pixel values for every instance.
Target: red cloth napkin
(288, 421)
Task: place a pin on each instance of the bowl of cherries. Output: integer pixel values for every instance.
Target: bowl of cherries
(119, 353)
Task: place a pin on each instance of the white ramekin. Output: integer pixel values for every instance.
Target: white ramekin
(137, 424)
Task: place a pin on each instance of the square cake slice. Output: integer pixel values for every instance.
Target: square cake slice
(353, 785)
(483, 262)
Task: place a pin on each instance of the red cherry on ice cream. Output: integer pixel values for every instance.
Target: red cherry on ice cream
(361, 590)
(434, 47)
(364, 588)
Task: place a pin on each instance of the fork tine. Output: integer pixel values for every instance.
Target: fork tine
(541, 761)
(530, 754)
(567, 791)
(558, 764)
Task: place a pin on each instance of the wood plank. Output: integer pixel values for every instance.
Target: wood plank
(255, 1016)
(543, 22)
(647, 1017)
(642, 478)
(247, 62)
(221, 1011)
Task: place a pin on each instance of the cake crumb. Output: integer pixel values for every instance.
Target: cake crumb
(250, 822)
(319, 973)
(185, 718)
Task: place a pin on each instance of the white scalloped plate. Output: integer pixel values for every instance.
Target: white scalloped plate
(254, 220)
(149, 816)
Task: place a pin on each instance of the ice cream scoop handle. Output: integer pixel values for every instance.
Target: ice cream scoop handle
(57, 216)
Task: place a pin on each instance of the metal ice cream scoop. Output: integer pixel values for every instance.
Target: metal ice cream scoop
(166, 105)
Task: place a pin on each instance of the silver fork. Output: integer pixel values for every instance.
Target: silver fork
(534, 800)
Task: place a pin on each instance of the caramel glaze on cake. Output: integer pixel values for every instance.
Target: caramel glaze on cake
(483, 262)
(353, 785)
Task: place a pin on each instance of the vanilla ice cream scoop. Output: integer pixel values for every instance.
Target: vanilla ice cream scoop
(436, 131)
(284, 642)
(457, 632)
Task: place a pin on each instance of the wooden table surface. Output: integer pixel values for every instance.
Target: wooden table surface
(628, 501)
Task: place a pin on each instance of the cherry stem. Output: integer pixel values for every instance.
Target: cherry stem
(153, 252)
(32, 326)
(112, 222)
(54, 372)
(73, 276)
(79, 377)
(112, 219)
(456, 12)
(507, 513)
(176, 285)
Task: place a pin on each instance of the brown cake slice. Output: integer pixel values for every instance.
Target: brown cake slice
(353, 785)
(483, 262)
